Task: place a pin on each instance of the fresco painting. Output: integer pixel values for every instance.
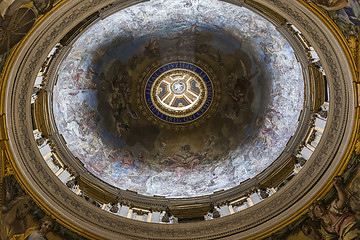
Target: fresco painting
(344, 13)
(22, 219)
(341, 202)
(17, 17)
(80, 81)
(95, 99)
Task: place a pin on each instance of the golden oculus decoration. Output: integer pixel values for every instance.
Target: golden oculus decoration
(179, 93)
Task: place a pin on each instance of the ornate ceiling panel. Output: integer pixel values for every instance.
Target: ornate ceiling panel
(100, 98)
(86, 67)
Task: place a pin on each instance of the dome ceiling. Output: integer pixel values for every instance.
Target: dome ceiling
(80, 74)
(256, 93)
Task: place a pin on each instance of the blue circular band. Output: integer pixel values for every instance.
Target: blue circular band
(189, 67)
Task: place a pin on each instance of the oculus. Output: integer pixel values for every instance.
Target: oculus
(178, 93)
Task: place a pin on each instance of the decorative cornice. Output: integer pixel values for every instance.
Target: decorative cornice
(329, 158)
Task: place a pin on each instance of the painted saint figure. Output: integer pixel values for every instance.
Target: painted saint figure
(336, 221)
(347, 10)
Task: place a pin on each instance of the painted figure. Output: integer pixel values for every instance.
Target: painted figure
(46, 226)
(311, 229)
(18, 19)
(126, 158)
(183, 160)
(14, 214)
(336, 221)
(347, 10)
(354, 192)
(239, 90)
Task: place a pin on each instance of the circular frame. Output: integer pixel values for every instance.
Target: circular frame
(81, 216)
(167, 115)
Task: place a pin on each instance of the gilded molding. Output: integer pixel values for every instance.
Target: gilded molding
(78, 215)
